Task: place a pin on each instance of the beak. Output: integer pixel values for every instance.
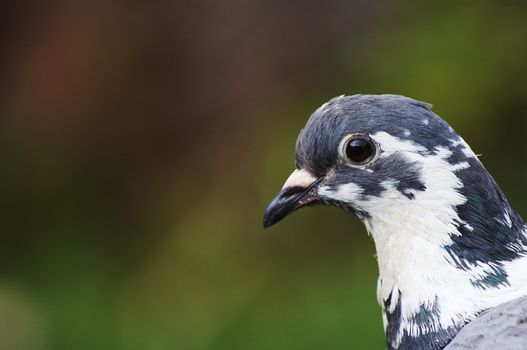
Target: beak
(299, 190)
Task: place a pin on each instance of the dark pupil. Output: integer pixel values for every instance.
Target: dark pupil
(359, 150)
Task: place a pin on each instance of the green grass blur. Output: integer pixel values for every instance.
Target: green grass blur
(141, 142)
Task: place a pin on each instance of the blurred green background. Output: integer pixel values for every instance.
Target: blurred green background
(141, 142)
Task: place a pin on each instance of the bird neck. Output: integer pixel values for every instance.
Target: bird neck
(442, 265)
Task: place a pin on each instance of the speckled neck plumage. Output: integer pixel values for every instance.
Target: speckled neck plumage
(451, 250)
(477, 270)
(447, 253)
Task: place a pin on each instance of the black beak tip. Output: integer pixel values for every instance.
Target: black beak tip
(266, 223)
(287, 201)
(273, 213)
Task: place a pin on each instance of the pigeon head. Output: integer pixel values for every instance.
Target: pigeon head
(449, 245)
(366, 152)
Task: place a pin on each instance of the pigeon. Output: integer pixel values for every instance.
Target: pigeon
(451, 252)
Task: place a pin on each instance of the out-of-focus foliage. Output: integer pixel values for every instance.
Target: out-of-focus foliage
(141, 141)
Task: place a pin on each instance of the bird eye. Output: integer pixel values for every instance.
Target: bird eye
(359, 149)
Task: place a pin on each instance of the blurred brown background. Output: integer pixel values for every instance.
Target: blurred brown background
(141, 141)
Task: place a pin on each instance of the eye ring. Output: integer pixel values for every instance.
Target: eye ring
(358, 149)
